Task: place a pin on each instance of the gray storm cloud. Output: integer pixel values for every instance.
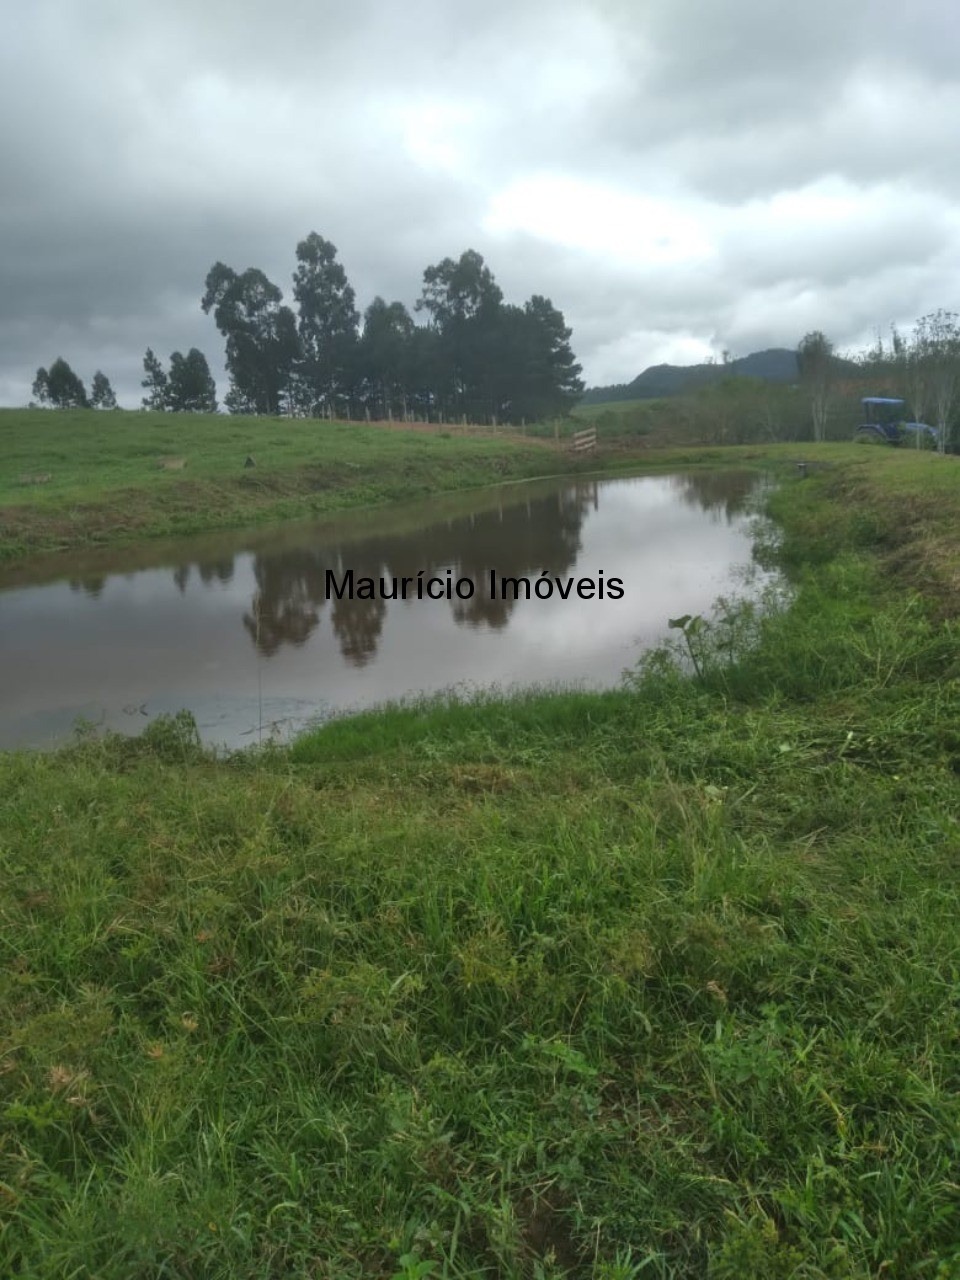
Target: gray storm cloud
(678, 177)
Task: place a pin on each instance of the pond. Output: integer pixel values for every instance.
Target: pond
(257, 633)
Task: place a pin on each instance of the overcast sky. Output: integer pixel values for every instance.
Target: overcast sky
(679, 176)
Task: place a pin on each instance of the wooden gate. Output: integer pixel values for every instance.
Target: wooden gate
(584, 441)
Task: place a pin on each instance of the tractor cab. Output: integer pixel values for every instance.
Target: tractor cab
(883, 423)
(881, 420)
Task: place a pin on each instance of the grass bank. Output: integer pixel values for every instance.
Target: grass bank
(657, 982)
(74, 479)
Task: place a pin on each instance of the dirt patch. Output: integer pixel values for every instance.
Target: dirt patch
(544, 1237)
(547, 1233)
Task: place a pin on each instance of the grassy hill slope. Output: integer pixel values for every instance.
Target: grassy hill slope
(71, 479)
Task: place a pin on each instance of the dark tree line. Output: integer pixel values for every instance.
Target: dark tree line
(475, 356)
(61, 388)
(188, 386)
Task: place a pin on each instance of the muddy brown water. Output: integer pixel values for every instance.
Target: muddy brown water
(245, 631)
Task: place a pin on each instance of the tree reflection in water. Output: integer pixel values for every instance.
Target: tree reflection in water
(90, 584)
(517, 540)
(723, 494)
(286, 605)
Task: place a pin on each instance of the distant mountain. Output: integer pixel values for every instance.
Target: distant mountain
(778, 364)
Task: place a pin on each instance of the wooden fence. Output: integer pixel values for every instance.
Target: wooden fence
(584, 441)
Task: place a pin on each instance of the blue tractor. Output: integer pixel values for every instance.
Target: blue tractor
(883, 424)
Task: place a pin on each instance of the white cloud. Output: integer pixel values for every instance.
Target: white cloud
(677, 176)
(630, 229)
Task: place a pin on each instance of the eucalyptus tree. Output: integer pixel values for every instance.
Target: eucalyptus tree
(426, 374)
(457, 291)
(190, 385)
(815, 359)
(937, 341)
(101, 392)
(463, 303)
(910, 370)
(40, 390)
(326, 327)
(261, 338)
(386, 357)
(60, 387)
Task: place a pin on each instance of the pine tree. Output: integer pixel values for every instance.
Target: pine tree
(155, 383)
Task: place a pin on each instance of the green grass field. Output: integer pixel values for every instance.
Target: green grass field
(660, 982)
(83, 479)
(631, 423)
(102, 481)
(611, 406)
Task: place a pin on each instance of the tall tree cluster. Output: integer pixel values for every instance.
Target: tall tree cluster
(188, 386)
(261, 334)
(922, 367)
(61, 388)
(475, 356)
